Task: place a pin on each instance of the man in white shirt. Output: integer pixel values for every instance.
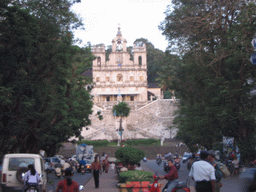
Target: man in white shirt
(203, 173)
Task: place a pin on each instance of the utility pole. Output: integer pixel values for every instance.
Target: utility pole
(121, 131)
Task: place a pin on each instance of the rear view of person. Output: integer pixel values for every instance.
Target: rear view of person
(31, 178)
(68, 185)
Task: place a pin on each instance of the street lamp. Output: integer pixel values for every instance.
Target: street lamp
(120, 131)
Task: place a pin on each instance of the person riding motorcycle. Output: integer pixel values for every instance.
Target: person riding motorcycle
(31, 178)
(177, 162)
(68, 185)
(172, 177)
(158, 158)
(177, 159)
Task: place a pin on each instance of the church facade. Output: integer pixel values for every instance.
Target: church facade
(120, 78)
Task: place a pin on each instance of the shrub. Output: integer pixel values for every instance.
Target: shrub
(135, 175)
(143, 142)
(95, 143)
(129, 155)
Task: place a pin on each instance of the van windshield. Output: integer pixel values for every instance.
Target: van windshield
(18, 162)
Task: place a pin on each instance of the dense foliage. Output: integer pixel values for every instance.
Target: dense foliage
(135, 175)
(121, 110)
(141, 142)
(43, 101)
(102, 143)
(214, 77)
(129, 155)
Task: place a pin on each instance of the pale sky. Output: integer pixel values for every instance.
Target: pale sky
(137, 18)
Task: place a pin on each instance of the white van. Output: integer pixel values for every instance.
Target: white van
(15, 165)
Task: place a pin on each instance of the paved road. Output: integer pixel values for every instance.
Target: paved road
(82, 179)
(230, 184)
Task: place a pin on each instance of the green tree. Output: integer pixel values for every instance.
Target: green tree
(121, 110)
(215, 77)
(129, 155)
(43, 101)
(166, 72)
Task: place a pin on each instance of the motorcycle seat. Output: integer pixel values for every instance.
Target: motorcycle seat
(181, 185)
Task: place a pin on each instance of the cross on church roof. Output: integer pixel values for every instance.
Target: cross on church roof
(119, 32)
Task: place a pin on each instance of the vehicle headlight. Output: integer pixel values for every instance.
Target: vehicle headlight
(22, 175)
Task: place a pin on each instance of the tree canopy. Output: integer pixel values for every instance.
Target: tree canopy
(214, 78)
(121, 109)
(43, 101)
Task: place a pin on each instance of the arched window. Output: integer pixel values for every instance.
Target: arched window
(140, 60)
(99, 61)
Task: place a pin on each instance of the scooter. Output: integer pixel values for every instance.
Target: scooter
(32, 188)
(82, 169)
(155, 187)
(158, 161)
(177, 165)
(180, 187)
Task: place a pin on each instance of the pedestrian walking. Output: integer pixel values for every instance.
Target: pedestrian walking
(191, 161)
(105, 164)
(203, 173)
(172, 177)
(236, 165)
(112, 167)
(218, 173)
(96, 170)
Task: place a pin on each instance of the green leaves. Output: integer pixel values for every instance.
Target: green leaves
(212, 78)
(121, 109)
(43, 101)
(135, 175)
(129, 155)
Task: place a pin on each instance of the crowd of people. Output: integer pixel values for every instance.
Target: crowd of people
(206, 172)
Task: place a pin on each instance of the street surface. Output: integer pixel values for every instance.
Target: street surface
(230, 184)
(82, 179)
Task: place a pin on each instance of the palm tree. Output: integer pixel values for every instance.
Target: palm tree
(121, 110)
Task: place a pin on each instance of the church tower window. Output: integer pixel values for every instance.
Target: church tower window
(140, 60)
(99, 61)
